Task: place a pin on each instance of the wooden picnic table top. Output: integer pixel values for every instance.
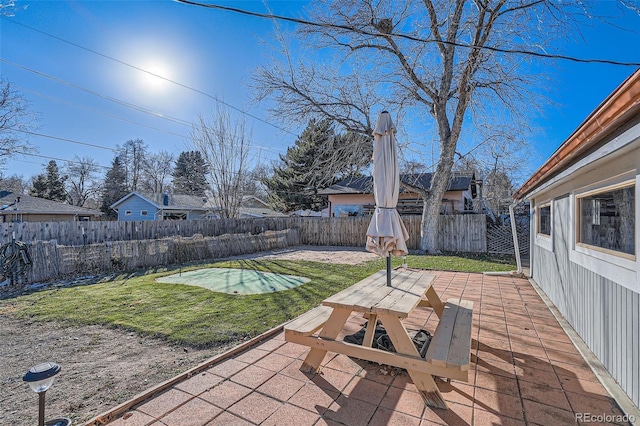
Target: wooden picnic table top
(372, 295)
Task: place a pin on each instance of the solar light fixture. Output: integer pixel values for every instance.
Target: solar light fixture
(40, 378)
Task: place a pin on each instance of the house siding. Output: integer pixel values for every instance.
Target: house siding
(453, 201)
(602, 312)
(136, 205)
(34, 217)
(602, 309)
(195, 215)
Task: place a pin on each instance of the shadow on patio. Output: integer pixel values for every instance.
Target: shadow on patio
(525, 370)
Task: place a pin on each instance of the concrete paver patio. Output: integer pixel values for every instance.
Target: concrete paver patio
(525, 371)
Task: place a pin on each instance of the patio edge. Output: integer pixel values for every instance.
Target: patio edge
(111, 414)
(620, 397)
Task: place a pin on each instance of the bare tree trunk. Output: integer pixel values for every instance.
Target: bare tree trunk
(225, 147)
(433, 199)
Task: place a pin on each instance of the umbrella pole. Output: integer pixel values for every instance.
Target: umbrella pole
(389, 270)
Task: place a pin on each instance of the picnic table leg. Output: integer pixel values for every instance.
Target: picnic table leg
(423, 381)
(435, 302)
(369, 334)
(331, 329)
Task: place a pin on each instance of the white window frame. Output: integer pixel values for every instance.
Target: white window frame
(619, 267)
(579, 244)
(127, 212)
(144, 212)
(543, 240)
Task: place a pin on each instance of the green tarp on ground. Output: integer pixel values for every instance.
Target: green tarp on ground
(235, 281)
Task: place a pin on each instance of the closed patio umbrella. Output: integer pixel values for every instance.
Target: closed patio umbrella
(386, 234)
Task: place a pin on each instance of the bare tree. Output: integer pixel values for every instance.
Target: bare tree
(453, 64)
(15, 119)
(132, 156)
(82, 181)
(156, 170)
(253, 182)
(9, 7)
(225, 147)
(15, 183)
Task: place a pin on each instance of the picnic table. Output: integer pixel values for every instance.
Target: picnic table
(447, 356)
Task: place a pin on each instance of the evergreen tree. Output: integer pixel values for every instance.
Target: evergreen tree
(50, 185)
(39, 186)
(115, 187)
(189, 175)
(55, 183)
(319, 158)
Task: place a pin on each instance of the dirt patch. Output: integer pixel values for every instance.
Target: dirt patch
(103, 367)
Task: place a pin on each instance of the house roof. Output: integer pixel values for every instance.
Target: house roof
(35, 205)
(364, 185)
(260, 212)
(617, 109)
(175, 201)
(255, 207)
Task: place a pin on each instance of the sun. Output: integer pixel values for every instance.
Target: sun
(155, 76)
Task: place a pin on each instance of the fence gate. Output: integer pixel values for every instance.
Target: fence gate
(500, 237)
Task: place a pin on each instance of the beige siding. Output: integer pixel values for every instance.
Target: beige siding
(452, 201)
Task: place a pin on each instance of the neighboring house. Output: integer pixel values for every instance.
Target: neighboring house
(354, 196)
(585, 224)
(24, 208)
(255, 207)
(143, 206)
(311, 213)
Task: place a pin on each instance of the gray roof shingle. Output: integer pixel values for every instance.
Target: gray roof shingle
(364, 185)
(35, 205)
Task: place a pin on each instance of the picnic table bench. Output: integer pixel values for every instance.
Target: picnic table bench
(448, 354)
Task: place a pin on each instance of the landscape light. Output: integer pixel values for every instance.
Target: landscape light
(40, 378)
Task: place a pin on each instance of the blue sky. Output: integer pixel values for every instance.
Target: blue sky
(214, 52)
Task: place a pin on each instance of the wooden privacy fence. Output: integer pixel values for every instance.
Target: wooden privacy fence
(461, 233)
(62, 249)
(50, 260)
(82, 233)
(456, 233)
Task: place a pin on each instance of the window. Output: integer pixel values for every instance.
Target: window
(544, 224)
(544, 219)
(606, 219)
(127, 212)
(344, 210)
(143, 212)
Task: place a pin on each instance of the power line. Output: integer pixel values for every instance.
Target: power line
(81, 143)
(154, 75)
(109, 98)
(64, 139)
(97, 111)
(30, 162)
(404, 36)
(51, 158)
(121, 102)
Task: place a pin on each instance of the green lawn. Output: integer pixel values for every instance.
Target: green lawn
(198, 317)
